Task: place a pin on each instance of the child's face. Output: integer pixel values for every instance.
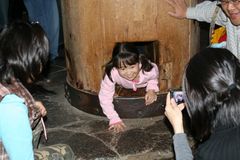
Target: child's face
(129, 72)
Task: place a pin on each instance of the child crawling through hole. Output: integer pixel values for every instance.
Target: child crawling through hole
(129, 69)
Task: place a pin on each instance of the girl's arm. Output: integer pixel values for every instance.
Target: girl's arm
(152, 83)
(105, 95)
(15, 129)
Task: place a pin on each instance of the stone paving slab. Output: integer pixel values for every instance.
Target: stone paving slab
(147, 138)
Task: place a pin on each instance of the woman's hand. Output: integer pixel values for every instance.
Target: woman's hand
(180, 8)
(150, 97)
(41, 108)
(117, 127)
(174, 114)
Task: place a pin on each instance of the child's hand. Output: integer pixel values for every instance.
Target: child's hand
(41, 108)
(150, 97)
(174, 114)
(117, 127)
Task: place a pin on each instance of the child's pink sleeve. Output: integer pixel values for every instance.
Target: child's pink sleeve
(152, 83)
(105, 95)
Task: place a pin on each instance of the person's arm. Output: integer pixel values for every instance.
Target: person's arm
(181, 147)
(15, 129)
(174, 114)
(152, 83)
(105, 95)
(41, 108)
(202, 12)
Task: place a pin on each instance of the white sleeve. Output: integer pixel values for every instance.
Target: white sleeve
(204, 12)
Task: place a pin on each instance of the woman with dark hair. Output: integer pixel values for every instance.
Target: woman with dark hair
(23, 54)
(211, 88)
(130, 69)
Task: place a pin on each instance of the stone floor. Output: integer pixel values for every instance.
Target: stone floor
(144, 139)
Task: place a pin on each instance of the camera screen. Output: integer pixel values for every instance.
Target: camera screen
(178, 96)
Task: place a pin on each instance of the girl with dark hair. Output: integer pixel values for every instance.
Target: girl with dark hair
(129, 69)
(211, 86)
(23, 54)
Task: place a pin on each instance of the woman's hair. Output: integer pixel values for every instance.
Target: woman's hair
(212, 86)
(126, 54)
(23, 52)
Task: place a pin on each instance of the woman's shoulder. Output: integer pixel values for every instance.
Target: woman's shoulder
(11, 98)
(12, 103)
(229, 140)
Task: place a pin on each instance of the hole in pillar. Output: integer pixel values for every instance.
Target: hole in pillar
(151, 50)
(128, 103)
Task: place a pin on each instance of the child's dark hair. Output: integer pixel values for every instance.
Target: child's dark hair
(126, 54)
(23, 52)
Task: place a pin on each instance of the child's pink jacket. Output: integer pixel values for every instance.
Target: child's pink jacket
(107, 90)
